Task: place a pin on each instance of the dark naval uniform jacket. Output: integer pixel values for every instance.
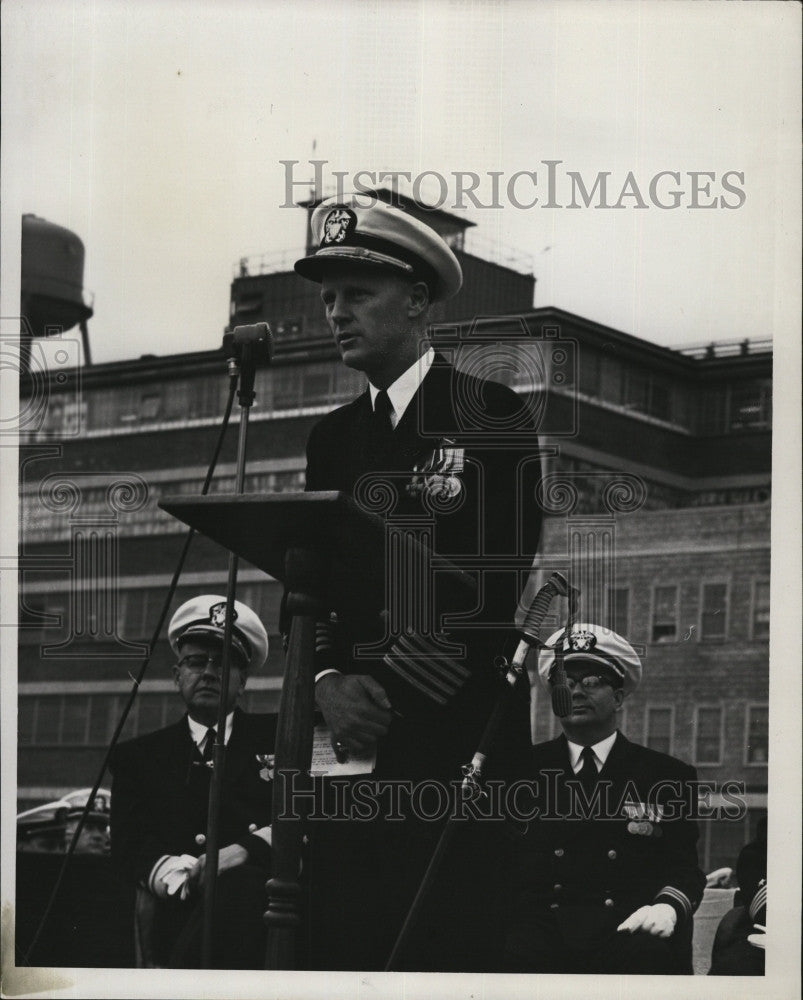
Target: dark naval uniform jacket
(478, 496)
(160, 794)
(491, 514)
(591, 861)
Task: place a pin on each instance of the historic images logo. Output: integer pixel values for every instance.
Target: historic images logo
(546, 184)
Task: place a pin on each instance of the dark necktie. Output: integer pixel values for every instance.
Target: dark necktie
(209, 746)
(382, 426)
(588, 772)
(382, 411)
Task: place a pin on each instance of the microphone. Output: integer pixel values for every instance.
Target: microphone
(556, 586)
(249, 344)
(561, 693)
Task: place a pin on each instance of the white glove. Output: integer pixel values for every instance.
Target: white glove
(659, 919)
(172, 877)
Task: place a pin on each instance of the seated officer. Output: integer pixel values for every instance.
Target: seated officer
(738, 948)
(605, 861)
(160, 797)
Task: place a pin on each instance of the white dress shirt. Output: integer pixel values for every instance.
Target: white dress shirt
(198, 731)
(405, 387)
(600, 751)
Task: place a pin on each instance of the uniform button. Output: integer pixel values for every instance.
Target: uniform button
(559, 852)
(609, 902)
(554, 906)
(557, 887)
(612, 855)
(200, 839)
(252, 827)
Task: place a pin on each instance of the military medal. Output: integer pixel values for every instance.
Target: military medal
(642, 828)
(267, 762)
(438, 474)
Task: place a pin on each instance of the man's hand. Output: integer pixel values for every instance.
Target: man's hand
(658, 919)
(356, 709)
(228, 857)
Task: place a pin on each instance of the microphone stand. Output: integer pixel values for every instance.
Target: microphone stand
(246, 345)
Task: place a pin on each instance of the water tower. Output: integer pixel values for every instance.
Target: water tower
(52, 297)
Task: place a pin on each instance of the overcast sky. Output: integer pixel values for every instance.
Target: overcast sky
(155, 131)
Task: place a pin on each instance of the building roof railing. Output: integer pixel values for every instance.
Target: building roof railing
(728, 348)
(478, 246)
(265, 263)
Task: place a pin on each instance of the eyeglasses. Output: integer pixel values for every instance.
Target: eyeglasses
(197, 662)
(591, 682)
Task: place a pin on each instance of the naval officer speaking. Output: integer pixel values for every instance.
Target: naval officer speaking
(413, 712)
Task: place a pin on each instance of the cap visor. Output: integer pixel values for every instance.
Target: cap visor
(215, 633)
(612, 668)
(312, 267)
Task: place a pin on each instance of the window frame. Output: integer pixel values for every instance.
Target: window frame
(696, 728)
(757, 580)
(714, 581)
(662, 707)
(664, 586)
(611, 618)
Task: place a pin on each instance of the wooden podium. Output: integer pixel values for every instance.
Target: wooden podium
(330, 555)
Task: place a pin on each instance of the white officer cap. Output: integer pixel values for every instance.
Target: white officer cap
(597, 645)
(205, 616)
(360, 229)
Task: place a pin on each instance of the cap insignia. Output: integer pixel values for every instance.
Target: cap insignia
(337, 225)
(581, 641)
(217, 615)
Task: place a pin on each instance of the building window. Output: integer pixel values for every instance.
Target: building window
(589, 373)
(714, 611)
(48, 720)
(610, 380)
(665, 614)
(661, 400)
(151, 405)
(758, 734)
(659, 729)
(618, 610)
(750, 406)
(761, 609)
(89, 720)
(26, 721)
(712, 410)
(637, 391)
(75, 721)
(708, 734)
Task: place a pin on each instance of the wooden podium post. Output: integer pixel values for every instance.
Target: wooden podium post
(304, 577)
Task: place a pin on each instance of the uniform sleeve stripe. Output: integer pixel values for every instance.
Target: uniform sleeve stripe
(155, 872)
(678, 896)
(433, 695)
(759, 902)
(419, 646)
(411, 667)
